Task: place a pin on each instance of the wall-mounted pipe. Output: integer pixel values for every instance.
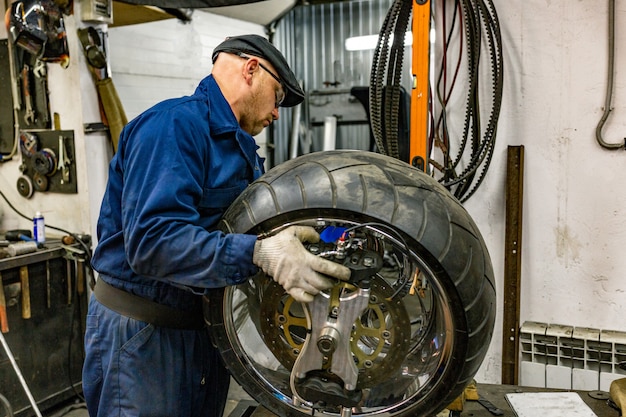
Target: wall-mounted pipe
(609, 87)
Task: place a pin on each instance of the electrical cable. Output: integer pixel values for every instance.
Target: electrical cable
(476, 144)
(442, 140)
(6, 405)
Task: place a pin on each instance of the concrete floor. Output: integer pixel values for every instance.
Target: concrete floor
(236, 396)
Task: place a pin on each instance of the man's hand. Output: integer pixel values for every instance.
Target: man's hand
(302, 274)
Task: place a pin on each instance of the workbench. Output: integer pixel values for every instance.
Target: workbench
(46, 329)
(493, 393)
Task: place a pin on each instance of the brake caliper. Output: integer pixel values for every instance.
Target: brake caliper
(328, 347)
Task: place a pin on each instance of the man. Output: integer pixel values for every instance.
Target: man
(179, 165)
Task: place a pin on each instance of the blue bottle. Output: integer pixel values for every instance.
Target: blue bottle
(39, 226)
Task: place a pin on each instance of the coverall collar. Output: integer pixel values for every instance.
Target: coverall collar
(222, 121)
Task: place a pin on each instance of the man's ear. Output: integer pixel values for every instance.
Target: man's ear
(250, 67)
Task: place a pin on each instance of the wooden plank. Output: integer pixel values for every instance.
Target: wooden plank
(512, 264)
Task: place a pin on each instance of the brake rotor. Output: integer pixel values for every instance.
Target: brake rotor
(379, 340)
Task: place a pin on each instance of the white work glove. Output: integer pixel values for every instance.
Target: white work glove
(302, 274)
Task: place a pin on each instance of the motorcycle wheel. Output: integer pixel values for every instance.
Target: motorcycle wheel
(429, 318)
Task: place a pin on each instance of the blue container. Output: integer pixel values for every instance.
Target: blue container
(39, 232)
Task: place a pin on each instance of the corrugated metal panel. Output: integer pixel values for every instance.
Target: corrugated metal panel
(312, 39)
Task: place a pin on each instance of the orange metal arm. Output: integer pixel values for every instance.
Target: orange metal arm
(419, 95)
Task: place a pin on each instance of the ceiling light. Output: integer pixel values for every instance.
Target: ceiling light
(362, 43)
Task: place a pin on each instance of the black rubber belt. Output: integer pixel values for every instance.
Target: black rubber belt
(142, 309)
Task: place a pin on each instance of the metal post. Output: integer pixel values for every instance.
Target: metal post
(330, 133)
(512, 264)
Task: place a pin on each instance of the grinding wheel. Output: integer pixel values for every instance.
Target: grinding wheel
(25, 186)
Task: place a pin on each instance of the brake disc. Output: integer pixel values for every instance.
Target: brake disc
(380, 338)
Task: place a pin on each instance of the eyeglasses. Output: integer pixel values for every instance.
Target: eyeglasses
(279, 95)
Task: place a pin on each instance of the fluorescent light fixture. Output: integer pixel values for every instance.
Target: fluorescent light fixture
(362, 43)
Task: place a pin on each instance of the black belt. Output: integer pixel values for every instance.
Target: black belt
(142, 309)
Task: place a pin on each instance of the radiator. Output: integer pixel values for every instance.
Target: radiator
(568, 357)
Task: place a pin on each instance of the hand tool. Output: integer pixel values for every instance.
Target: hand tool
(47, 283)
(41, 93)
(77, 255)
(29, 143)
(40, 70)
(64, 162)
(11, 293)
(68, 240)
(490, 407)
(4, 323)
(68, 270)
(29, 115)
(25, 282)
(18, 234)
(15, 87)
(80, 276)
(33, 403)
(21, 248)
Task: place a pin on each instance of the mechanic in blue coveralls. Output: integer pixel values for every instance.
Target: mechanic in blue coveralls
(179, 165)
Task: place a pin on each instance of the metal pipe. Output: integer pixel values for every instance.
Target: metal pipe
(609, 87)
(19, 375)
(330, 133)
(295, 131)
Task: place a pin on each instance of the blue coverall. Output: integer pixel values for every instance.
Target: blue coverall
(179, 165)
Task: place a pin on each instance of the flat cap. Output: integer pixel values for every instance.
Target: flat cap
(262, 48)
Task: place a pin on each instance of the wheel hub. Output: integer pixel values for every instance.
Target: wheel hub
(367, 348)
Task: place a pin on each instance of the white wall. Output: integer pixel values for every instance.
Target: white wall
(154, 61)
(573, 263)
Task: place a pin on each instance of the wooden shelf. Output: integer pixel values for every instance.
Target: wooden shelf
(125, 14)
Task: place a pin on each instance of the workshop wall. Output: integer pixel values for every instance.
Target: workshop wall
(574, 214)
(73, 98)
(155, 61)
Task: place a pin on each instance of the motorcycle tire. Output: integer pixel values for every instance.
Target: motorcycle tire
(431, 314)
